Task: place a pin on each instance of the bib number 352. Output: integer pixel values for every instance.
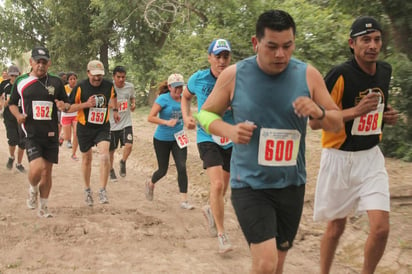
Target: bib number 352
(42, 110)
(278, 147)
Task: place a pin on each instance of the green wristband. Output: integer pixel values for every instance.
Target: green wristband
(205, 118)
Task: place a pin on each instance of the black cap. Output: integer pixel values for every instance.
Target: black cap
(363, 25)
(40, 52)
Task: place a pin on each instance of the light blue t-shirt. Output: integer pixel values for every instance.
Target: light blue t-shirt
(201, 84)
(170, 109)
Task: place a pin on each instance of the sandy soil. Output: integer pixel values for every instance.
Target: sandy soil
(133, 235)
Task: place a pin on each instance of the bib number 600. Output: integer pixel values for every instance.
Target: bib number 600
(278, 147)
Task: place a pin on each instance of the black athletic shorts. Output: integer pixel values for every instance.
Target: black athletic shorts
(15, 135)
(89, 136)
(123, 136)
(214, 155)
(47, 148)
(264, 214)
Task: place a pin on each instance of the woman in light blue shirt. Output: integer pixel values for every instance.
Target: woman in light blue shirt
(169, 136)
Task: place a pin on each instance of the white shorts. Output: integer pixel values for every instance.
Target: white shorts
(350, 182)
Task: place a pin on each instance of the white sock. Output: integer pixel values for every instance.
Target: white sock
(34, 189)
(43, 202)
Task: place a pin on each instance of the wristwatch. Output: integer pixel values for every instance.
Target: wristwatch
(322, 116)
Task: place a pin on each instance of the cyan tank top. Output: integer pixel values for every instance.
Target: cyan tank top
(266, 100)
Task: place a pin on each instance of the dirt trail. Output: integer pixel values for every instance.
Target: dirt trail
(132, 235)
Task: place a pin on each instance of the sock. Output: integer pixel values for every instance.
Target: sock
(34, 189)
(43, 202)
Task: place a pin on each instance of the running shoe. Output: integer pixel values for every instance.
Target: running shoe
(44, 212)
(186, 205)
(148, 191)
(20, 168)
(122, 168)
(75, 158)
(113, 177)
(32, 200)
(224, 243)
(69, 144)
(61, 140)
(103, 196)
(10, 163)
(89, 198)
(207, 212)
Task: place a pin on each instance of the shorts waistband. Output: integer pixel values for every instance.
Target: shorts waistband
(350, 153)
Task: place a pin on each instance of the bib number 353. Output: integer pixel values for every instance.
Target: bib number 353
(97, 115)
(278, 147)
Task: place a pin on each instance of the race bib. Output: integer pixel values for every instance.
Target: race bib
(370, 123)
(278, 147)
(182, 139)
(97, 115)
(221, 141)
(42, 110)
(122, 105)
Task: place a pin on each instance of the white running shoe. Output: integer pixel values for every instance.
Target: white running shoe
(103, 196)
(186, 205)
(32, 200)
(44, 212)
(207, 212)
(148, 191)
(89, 198)
(224, 243)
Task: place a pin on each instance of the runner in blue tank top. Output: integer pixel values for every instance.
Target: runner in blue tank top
(271, 96)
(214, 151)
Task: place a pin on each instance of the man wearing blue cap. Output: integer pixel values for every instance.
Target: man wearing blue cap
(214, 151)
(352, 175)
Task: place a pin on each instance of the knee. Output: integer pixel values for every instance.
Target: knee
(380, 231)
(104, 157)
(217, 185)
(161, 172)
(335, 229)
(265, 266)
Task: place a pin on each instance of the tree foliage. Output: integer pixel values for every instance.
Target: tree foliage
(154, 38)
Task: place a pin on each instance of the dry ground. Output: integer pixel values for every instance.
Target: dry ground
(132, 235)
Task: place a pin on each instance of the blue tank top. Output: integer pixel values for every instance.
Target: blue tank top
(201, 84)
(267, 101)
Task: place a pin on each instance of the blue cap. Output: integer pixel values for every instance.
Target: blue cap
(219, 45)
